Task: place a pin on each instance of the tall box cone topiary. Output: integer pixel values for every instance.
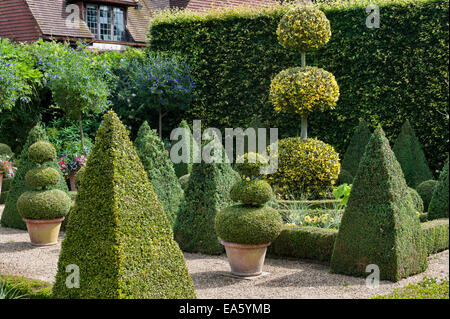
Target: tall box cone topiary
(410, 155)
(439, 201)
(380, 225)
(11, 217)
(118, 235)
(356, 148)
(182, 168)
(159, 168)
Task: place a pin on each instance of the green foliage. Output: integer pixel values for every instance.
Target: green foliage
(183, 168)
(183, 180)
(251, 192)
(428, 288)
(3, 197)
(436, 234)
(439, 201)
(11, 217)
(42, 177)
(41, 152)
(251, 164)
(425, 190)
(28, 288)
(344, 178)
(342, 194)
(235, 53)
(304, 28)
(251, 225)
(206, 194)
(416, 200)
(306, 167)
(6, 184)
(410, 155)
(355, 150)
(159, 169)
(79, 176)
(118, 234)
(304, 243)
(380, 225)
(43, 205)
(5, 150)
(304, 89)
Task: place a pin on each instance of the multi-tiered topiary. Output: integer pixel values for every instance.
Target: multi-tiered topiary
(354, 152)
(10, 216)
(410, 155)
(304, 89)
(43, 203)
(118, 235)
(306, 167)
(426, 190)
(439, 201)
(159, 168)
(380, 225)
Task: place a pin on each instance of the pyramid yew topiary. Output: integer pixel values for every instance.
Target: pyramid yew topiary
(159, 168)
(118, 234)
(439, 201)
(182, 168)
(355, 149)
(410, 155)
(380, 225)
(10, 216)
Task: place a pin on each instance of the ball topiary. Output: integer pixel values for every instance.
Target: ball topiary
(425, 190)
(183, 180)
(248, 224)
(306, 167)
(416, 200)
(304, 89)
(45, 203)
(5, 150)
(439, 201)
(41, 152)
(251, 192)
(304, 28)
(250, 164)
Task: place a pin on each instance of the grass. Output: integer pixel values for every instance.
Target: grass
(428, 288)
(17, 287)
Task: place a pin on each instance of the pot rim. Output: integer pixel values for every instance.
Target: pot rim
(243, 246)
(43, 221)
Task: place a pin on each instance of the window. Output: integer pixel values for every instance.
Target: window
(106, 23)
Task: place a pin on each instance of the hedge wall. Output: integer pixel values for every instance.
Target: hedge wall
(385, 75)
(436, 235)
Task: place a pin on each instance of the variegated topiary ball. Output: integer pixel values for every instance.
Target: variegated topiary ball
(303, 90)
(304, 28)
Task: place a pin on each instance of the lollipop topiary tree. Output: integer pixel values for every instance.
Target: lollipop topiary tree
(304, 89)
(43, 210)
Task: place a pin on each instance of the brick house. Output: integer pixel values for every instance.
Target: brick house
(106, 24)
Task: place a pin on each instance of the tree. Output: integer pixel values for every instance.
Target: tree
(356, 148)
(439, 201)
(380, 225)
(159, 168)
(118, 235)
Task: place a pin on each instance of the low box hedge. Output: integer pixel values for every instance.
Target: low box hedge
(28, 288)
(317, 243)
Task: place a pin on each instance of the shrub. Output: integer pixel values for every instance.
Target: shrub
(355, 150)
(305, 167)
(28, 288)
(183, 180)
(207, 192)
(380, 225)
(436, 235)
(5, 150)
(183, 168)
(428, 288)
(11, 217)
(118, 234)
(6, 184)
(159, 168)
(344, 178)
(416, 200)
(235, 53)
(410, 155)
(79, 176)
(3, 197)
(41, 152)
(425, 190)
(251, 192)
(42, 177)
(250, 225)
(42, 205)
(251, 164)
(439, 201)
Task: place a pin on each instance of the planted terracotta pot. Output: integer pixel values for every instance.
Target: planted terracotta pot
(245, 260)
(43, 232)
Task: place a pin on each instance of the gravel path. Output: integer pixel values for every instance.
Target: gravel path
(285, 278)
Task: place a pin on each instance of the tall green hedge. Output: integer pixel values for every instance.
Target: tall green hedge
(118, 234)
(385, 75)
(10, 216)
(380, 225)
(159, 168)
(439, 201)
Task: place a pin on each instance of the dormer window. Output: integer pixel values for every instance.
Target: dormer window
(106, 23)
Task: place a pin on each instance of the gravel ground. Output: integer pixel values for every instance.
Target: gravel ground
(284, 279)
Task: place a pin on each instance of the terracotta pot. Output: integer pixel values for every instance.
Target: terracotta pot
(43, 232)
(245, 260)
(73, 188)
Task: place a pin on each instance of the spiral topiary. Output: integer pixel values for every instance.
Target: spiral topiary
(425, 190)
(306, 167)
(304, 28)
(43, 204)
